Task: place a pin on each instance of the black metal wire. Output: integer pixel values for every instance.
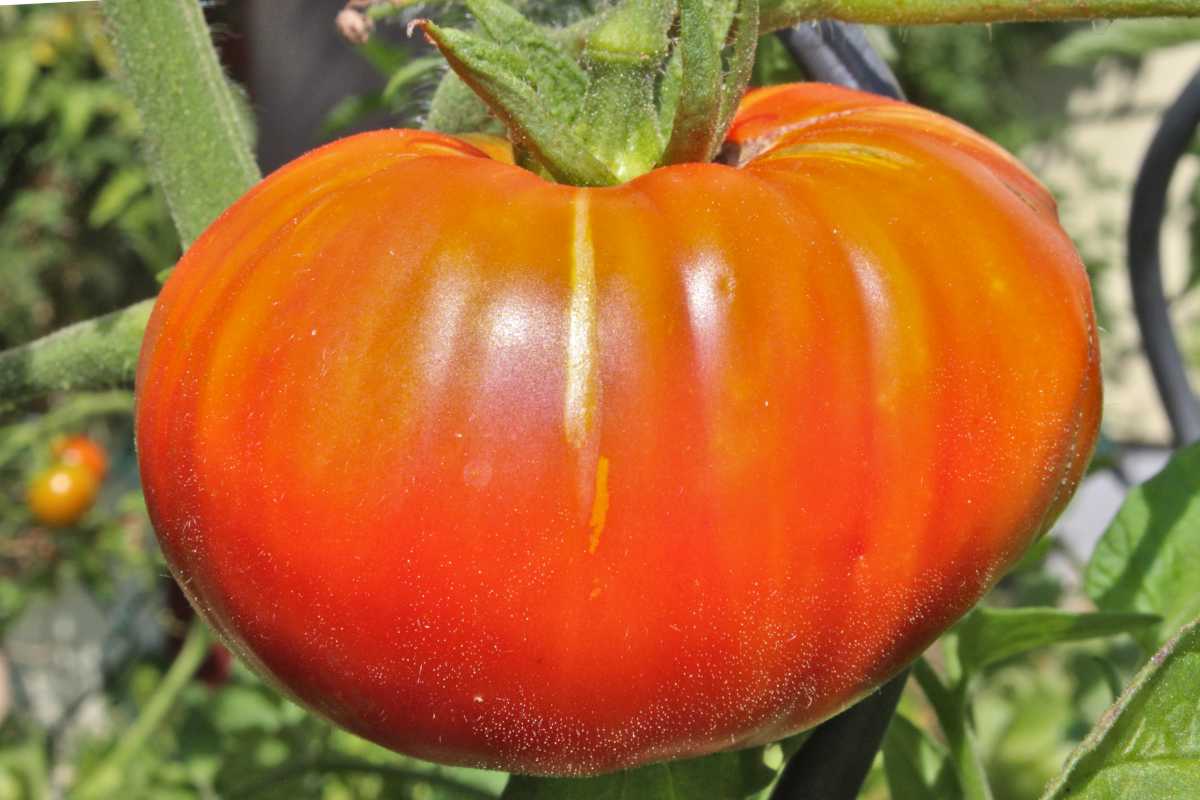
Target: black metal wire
(837, 52)
(1150, 305)
(834, 761)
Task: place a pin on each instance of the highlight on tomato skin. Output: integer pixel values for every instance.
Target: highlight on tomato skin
(60, 495)
(499, 472)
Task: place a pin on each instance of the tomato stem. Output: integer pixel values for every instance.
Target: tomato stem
(197, 130)
(779, 14)
(100, 353)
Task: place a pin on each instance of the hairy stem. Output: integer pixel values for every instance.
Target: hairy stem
(100, 353)
(197, 132)
(778, 14)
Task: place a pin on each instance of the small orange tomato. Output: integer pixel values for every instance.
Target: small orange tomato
(82, 450)
(60, 495)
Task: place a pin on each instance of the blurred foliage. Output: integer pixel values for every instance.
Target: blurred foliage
(993, 78)
(1131, 38)
(82, 230)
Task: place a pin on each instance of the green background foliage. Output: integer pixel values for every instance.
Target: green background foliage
(82, 228)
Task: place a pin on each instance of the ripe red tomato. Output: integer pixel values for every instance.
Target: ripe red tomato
(500, 472)
(82, 450)
(62, 494)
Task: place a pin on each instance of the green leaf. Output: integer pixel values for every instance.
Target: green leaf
(558, 80)
(1149, 558)
(494, 72)
(915, 765)
(412, 71)
(455, 108)
(116, 195)
(988, 635)
(723, 776)
(1147, 746)
(240, 708)
(19, 70)
(1129, 38)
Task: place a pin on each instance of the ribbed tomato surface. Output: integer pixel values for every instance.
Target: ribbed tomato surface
(500, 472)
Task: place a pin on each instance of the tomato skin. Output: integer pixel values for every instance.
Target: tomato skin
(60, 495)
(512, 474)
(82, 450)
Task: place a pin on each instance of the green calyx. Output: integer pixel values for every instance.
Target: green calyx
(643, 84)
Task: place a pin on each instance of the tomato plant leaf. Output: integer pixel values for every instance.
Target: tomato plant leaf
(1147, 745)
(988, 635)
(723, 776)
(915, 765)
(559, 80)
(1149, 558)
(493, 72)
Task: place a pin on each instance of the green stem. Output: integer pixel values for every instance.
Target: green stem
(950, 705)
(100, 353)
(777, 14)
(197, 132)
(698, 109)
(105, 780)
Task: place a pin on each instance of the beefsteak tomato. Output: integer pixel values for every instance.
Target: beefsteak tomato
(501, 472)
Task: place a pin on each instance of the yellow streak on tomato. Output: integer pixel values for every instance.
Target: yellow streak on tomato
(580, 402)
(599, 504)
